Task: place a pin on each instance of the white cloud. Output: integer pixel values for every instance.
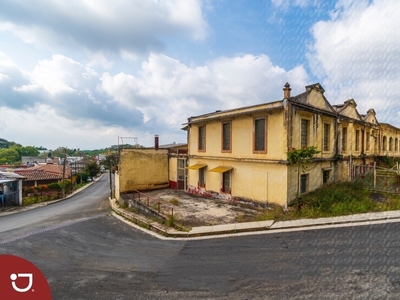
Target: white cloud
(75, 104)
(98, 59)
(168, 92)
(131, 26)
(52, 130)
(16, 89)
(63, 75)
(290, 3)
(357, 53)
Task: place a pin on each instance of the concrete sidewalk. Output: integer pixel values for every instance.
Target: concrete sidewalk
(254, 226)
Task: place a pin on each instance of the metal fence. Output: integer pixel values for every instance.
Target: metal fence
(9, 199)
(377, 178)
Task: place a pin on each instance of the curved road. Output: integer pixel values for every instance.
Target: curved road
(86, 253)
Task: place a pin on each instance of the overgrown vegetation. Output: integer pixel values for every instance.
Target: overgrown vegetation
(336, 199)
(174, 202)
(388, 161)
(300, 158)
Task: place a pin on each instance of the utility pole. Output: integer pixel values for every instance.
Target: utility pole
(70, 173)
(109, 171)
(63, 174)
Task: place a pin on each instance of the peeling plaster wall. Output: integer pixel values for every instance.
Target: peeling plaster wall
(253, 172)
(255, 176)
(173, 174)
(315, 177)
(116, 183)
(242, 137)
(316, 131)
(250, 181)
(143, 169)
(389, 131)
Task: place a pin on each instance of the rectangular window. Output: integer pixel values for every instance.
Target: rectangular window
(226, 137)
(303, 183)
(260, 144)
(181, 163)
(202, 182)
(344, 139)
(226, 182)
(325, 176)
(202, 138)
(357, 140)
(304, 133)
(327, 128)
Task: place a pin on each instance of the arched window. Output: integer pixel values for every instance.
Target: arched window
(396, 145)
(384, 143)
(390, 144)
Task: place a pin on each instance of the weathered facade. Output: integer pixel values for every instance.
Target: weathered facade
(141, 169)
(151, 168)
(242, 153)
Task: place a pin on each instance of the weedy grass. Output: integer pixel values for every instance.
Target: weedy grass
(174, 201)
(337, 199)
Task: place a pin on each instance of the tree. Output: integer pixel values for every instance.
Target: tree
(92, 169)
(27, 151)
(9, 156)
(4, 143)
(61, 151)
(81, 177)
(301, 157)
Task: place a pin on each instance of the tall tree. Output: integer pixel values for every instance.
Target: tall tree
(92, 169)
(27, 151)
(9, 156)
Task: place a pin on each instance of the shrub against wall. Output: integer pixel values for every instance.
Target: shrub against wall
(44, 192)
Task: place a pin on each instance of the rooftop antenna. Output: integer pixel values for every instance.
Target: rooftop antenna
(135, 139)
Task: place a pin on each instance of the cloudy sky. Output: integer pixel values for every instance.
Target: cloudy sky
(81, 73)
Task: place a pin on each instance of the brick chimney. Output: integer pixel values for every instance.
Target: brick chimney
(156, 142)
(286, 91)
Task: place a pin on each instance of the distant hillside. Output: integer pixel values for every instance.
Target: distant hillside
(11, 152)
(4, 143)
(7, 144)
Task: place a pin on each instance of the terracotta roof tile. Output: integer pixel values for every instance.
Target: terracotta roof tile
(38, 174)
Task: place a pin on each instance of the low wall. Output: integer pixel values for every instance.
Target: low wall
(142, 208)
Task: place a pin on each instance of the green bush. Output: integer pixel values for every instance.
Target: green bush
(174, 202)
(54, 186)
(81, 178)
(337, 199)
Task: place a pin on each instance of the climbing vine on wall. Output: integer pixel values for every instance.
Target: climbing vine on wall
(301, 156)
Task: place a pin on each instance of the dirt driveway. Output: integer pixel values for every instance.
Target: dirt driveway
(192, 210)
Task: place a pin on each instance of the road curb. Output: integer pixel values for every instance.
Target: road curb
(269, 226)
(195, 232)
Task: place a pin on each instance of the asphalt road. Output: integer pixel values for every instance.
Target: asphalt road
(86, 253)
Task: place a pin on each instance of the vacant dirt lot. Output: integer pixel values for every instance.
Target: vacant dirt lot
(192, 210)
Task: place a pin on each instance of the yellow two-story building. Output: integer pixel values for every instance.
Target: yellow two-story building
(241, 154)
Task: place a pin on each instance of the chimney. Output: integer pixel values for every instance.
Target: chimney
(286, 91)
(156, 142)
